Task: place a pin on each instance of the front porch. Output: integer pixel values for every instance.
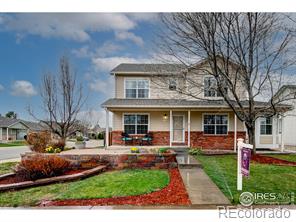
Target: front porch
(176, 127)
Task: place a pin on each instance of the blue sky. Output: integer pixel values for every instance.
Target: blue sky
(31, 44)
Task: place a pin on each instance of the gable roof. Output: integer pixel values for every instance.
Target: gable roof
(5, 122)
(283, 88)
(147, 68)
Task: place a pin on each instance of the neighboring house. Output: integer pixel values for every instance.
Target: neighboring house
(287, 123)
(144, 104)
(16, 129)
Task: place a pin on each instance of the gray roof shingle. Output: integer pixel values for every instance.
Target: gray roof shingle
(161, 103)
(5, 122)
(147, 68)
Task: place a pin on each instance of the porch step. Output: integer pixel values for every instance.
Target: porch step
(186, 161)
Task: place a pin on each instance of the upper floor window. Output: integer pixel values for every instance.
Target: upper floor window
(266, 126)
(136, 88)
(215, 124)
(210, 87)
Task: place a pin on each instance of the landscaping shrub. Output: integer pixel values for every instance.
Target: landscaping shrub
(51, 149)
(59, 144)
(195, 151)
(38, 141)
(135, 150)
(100, 136)
(40, 166)
(163, 150)
(79, 138)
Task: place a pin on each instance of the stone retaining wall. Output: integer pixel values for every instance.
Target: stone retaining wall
(118, 161)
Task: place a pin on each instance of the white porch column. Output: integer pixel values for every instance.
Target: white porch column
(282, 135)
(188, 125)
(171, 127)
(0, 133)
(7, 134)
(274, 133)
(107, 128)
(235, 132)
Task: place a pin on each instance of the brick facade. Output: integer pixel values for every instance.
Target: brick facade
(197, 139)
(224, 142)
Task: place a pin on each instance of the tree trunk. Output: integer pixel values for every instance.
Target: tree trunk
(251, 135)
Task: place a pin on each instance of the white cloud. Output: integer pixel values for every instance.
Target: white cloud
(104, 86)
(129, 36)
(105, 49)
(146, 17)
(83, 52)
(23, 88)
(108, 63)
(108, 48)
(1, 88)
(64, 25)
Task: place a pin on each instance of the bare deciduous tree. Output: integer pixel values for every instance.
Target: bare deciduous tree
(62, 100)
(246, 53)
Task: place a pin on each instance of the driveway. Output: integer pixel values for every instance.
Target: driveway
(12, 152)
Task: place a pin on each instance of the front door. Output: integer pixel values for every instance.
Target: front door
(178, 128)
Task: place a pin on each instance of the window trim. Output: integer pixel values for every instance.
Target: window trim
(122, 119)
(136, 78)
(228, 121)
(203, 82)
(265, 125)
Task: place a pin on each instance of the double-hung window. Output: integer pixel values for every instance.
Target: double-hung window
(136, 88)
(136, 123)
(215, 124)
(210, 87)
(266, 126)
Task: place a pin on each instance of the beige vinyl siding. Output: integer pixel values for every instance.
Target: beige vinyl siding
(119, 86)
(265, 139)
(158, 123)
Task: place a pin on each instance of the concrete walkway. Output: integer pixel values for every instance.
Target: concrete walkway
(201, 189)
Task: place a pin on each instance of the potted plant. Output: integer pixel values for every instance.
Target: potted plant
(80, 143)
(135, 150)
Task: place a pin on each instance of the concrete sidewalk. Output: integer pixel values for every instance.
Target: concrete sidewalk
(201, 189)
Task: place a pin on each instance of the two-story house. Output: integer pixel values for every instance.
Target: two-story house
(144, 104)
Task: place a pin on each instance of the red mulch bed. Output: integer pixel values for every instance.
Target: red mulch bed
(17, 179)
(271, 160)
(174, 194)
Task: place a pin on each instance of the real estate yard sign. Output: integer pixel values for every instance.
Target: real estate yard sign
(243, 161)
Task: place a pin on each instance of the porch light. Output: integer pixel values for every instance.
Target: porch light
(165, 116)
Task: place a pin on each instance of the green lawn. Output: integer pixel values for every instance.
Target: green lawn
(264, 178)
(289, 157)
(109, 184)
(6, 167)
(13, 143)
